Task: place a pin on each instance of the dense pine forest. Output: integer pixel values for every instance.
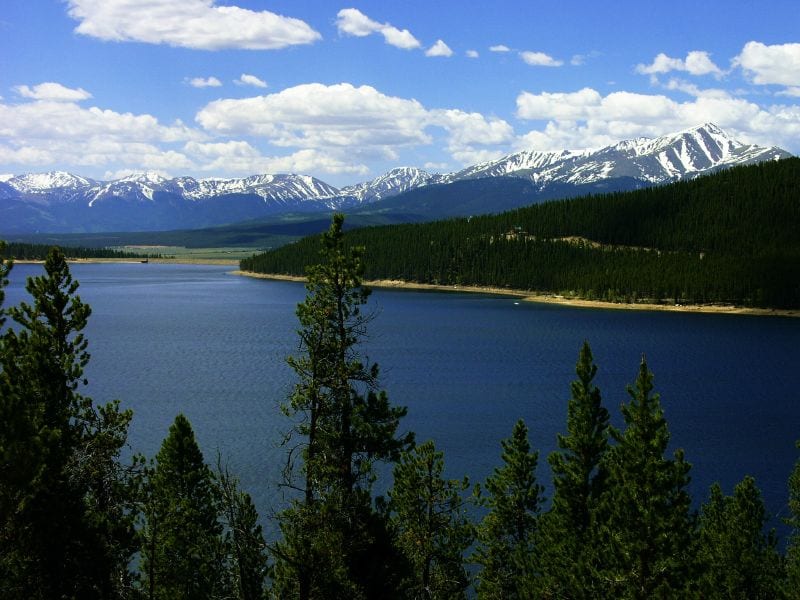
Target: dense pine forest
(23, 251)
(78, 521)
(730, 237)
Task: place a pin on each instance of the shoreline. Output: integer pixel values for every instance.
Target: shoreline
(131, 261)
(541, 298)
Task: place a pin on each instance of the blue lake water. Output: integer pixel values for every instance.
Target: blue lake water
(194, 339)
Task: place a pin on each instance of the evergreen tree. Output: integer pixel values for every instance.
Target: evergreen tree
(245, 540)
(428, 512)
(739, 560)
(644, 521)
(507, 532)
(793, 550)
(568, 551)
(66, 529)
(182, 548)
(334, 541)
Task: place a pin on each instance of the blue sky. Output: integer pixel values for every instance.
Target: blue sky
(344, 92)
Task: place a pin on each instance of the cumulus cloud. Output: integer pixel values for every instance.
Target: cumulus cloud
(539, 59)
(439, 49)
(202, 82)
(198, 24)
(499, 48)
(778, 64)
(52, 91)
(697, 62)
(42, 133)
(472, 54)
(351, 21)
(586, 119)
(338, 119)
(252, 80)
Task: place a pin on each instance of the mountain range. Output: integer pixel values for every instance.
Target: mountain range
(61, 202)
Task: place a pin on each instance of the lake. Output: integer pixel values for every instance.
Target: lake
(195, 339)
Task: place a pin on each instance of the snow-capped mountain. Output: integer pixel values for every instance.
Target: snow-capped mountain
(58, 201)
(660, 160)
(389, 184)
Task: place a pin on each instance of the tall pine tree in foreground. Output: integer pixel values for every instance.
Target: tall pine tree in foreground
(182, 550)
(739, 560)
(428, 512)
(644, 523)
(335, 543)
(568, 551)
(507, 532)
(793, 551)
(67, 529)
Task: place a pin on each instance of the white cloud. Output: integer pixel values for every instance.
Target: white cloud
(791, 91)
(43, 133)
(778, 64)
(201, 82)
(198, 24)
(472, 54)
(315, 115)
(439, 49)
(499, 48)
(585, 119)
(52, 91)
(697, 62)
(246, 79)
(539, 59)
(341, 119)
(351, 21)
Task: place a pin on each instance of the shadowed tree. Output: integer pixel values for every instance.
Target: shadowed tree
(644, 521)
(428, 513)
(335, 543)
(67, 528)
(792, 586)
(739, 560)
(568, 552)
(183, 555)
(506, 534)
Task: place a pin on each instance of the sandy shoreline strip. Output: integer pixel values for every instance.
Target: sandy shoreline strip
(527, 296)
(163, 261)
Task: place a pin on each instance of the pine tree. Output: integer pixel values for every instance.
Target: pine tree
(245, 539)
(65, 529)
(644, 521)
(792, 586)
(334, 541)
(507, 532)
(428, 513)
(182, 548)
(739, 559)
(567, 554)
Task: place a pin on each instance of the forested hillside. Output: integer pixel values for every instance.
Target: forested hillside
(23, 251)
(729, 237)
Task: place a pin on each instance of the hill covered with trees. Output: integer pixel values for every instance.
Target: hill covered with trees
(730, 237)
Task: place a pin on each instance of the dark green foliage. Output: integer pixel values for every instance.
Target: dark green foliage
(726, 237)
(245, 540)
(66, 501)
(24, 251)
(182, 549)
(644, 523)
(335, 542)
(429, 515)
(569, 551)
(739, 560)
(793, 551)
(507, 532)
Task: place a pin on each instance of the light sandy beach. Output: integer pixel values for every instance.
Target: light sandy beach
(528, 296)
